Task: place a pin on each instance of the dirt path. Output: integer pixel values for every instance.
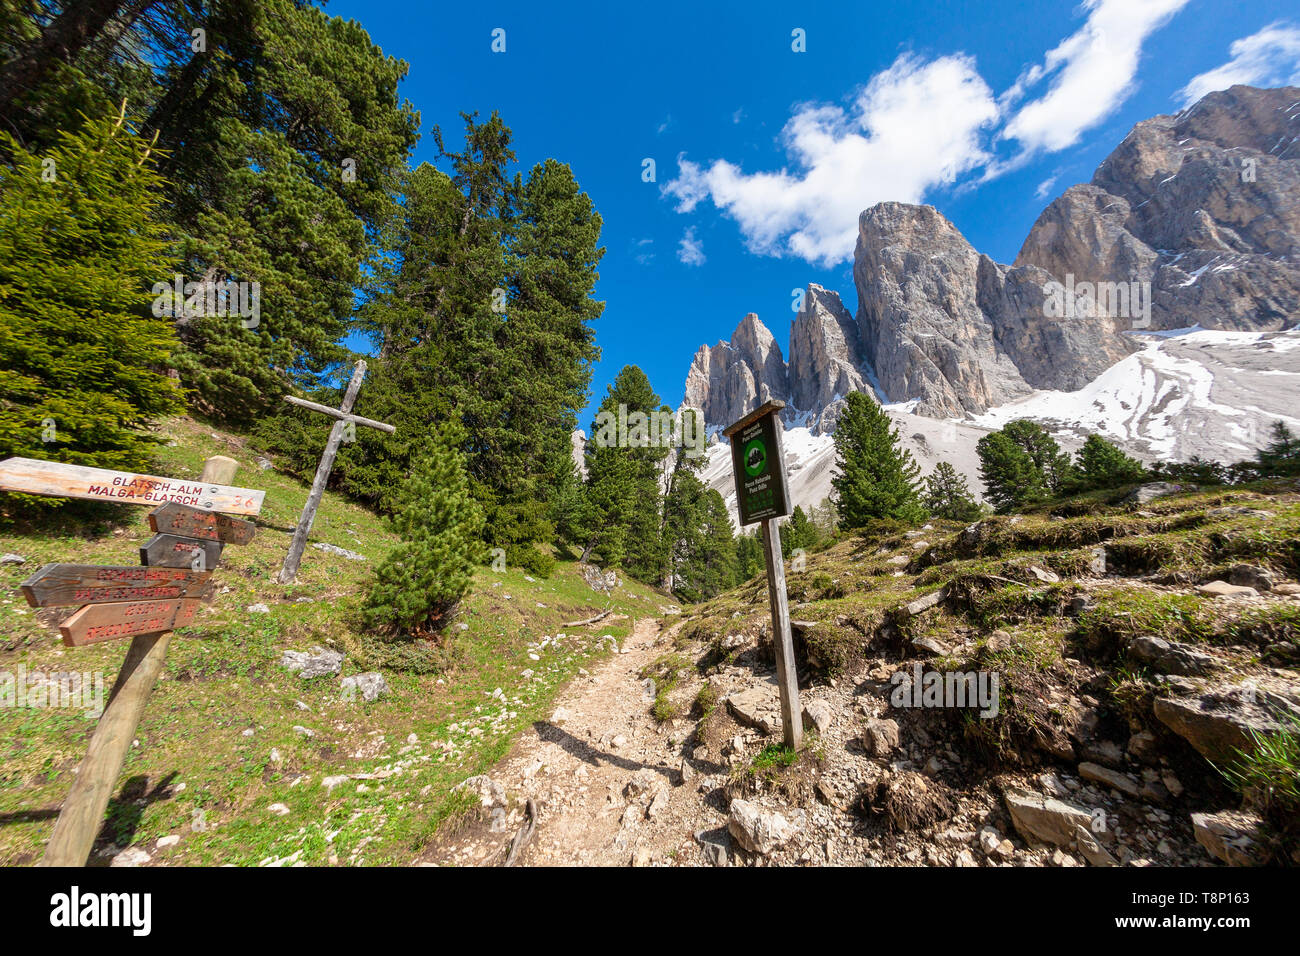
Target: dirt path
(604, 774)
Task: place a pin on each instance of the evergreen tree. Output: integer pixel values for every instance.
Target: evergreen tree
(1100, 464)
(714, 565)
(877, 477)
(276, 134)
(481, 314)
(1281, 456)
(623, 479)
(1021, 464)
(420, 582)
(749, 556)
(85, 360)
(947, 495)
(697, 536)
(797, 534)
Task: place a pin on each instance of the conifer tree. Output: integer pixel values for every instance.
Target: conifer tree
(1101, 464)
(797, 534)
(947, 495)
(623, 479)
(1022, 464)
(749, 556)
(697, 536)
(85, 359)
(1281, 456)
(877, 476)
(420, 582)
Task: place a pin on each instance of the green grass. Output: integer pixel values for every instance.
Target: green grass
(195, 774)
(1269, 778)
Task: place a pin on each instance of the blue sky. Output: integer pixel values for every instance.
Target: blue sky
(764, 156)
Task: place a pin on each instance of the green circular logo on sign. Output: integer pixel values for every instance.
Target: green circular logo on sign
(755, 458)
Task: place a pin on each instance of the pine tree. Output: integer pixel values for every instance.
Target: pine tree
(85, 359)
(420, 582)
(877, 476)
(797, 534)
(749, 556)
(947, 495)
(623, 480)
(1101, 464)
(697, 536)
(1022, 464)
(1282, 454)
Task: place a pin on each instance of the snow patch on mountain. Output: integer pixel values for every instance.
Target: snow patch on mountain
(1187, 392)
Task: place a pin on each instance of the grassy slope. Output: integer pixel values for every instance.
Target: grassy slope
(855, 589)
(194, 772)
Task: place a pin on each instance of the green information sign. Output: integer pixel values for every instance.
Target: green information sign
(758, 465)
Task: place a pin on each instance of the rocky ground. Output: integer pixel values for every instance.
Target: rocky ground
(669, 754)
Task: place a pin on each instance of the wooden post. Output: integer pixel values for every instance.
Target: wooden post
(763, 495)
(782, 641)
(83, 810)
(289, 571)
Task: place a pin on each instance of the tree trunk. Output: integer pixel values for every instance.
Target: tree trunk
(61, 41)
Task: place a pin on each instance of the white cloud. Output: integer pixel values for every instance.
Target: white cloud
(690, 250)
(1270, 57)
(1092, 69)
(644, 253)
(914, 126)
(1044, 187)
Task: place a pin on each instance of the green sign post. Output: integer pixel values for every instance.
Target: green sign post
(762, 494)
(758, 464)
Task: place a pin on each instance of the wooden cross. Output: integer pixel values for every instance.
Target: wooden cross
(344, 415)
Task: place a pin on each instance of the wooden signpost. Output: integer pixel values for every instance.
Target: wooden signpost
(174, 518)
(33, 477)
(762, 494)
(143, 603)
(56, 585)
(179, 551)
(345, 417)
(106, 622)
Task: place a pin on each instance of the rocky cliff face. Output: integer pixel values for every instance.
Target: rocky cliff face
(1204, 205)
(732, 378)
(1193, 220)
(919, 311)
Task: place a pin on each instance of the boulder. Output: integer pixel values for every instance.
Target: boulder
(818, 715)
(1092, 851)
(1224, 589)
(318, 662)
(758, 707)
(1231, 836)
(1251, 576)
(757, 829)
(1110, 778)
(341, 552)
(1218, 721)
(1142, 747)
(1152, 490)
(1171, 657)
(489, 792)
(880, 737)
(1045, 819)
(371, 686)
